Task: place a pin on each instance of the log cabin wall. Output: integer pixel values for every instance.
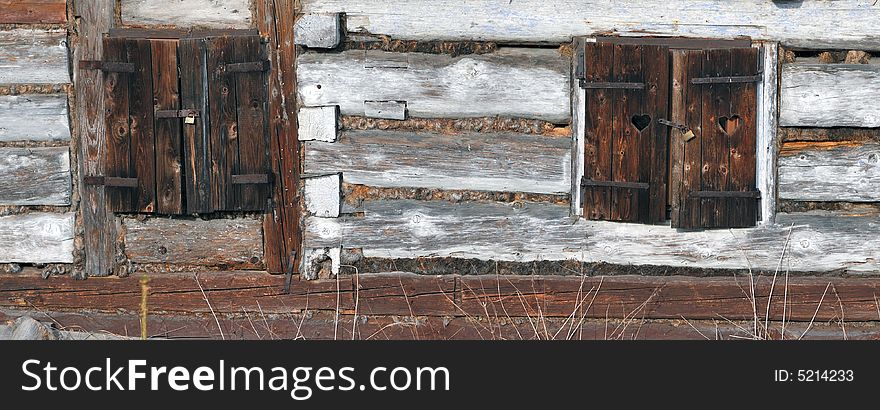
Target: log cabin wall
(443, 139)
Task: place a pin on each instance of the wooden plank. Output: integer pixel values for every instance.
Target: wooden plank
(716, 154)
(143, 142)
(252, 125)
(830, 171)
(820, 242)
(742, 143)
(693, 150)
(809, 300)
(34, 117)
(767, 137)
(117, 101)
(169, 153)
(515, 82)
(99, 224)
(788, 134)
(33, 56)
(33, 11)
(678, 115)
(598, 117)
(844, 24)
(224, 141)
(202, 13)
(281, 226)
(323, 195)
(653, 160)
(35, 176)
(319, 30)
(829, 95)
(626, 139)
(164, 33)
(196, 137)
(318, 123)
(234, 243)
(37, 238)
(479, 161)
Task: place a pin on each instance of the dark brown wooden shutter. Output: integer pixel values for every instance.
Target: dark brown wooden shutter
(627, 89)
(129, 169)
(716, 97)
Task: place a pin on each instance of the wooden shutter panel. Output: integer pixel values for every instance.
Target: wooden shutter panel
(718, 101)
(129, 170)
(196, 144)
(627, 89)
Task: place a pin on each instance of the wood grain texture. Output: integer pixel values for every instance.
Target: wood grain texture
(169, 152)
(236, 243)
(33, 11)
(95, 18)
(515, 82)
(196, 137)
(820, 242)
(318, 30)
(34, 117)
(478, 161)
(37, 238)
(33, 56)
(830, 171)
(829, 95)
(768, 132)
(846, 24)
(35, 176)
(487, 297)
(318, 123)
(190, 13)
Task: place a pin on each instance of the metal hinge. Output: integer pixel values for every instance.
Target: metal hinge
(590, 85)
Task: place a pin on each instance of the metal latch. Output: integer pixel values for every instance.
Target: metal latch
(288, 278)
(686, 132)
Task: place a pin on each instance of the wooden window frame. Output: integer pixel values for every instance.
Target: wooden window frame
(766, 118)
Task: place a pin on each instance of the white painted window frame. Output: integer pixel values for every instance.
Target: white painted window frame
(767, 144)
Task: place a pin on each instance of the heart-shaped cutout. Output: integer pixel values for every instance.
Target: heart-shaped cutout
(641, 121)
(729, 125)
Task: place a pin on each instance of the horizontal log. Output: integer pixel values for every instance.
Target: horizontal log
(516, 82)
(252, 325)
(829, 95)
(488, 297)
(34, 117)
(35, 176)
(830, 171)
(33, 56)
(846, 24)
(504, 162)
(820, 242)
(232, 243)
(33, 11)
(191, 13)
(37, 238)
(789, 134)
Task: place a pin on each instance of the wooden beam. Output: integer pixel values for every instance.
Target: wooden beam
(516, 82)
(36, 238)
(33, 56)
(35, 176)
(767, 139)
(844, 24)
(829, 95)
(820, 242)
(231, 243)
(202, 13)
(319, 30)
(318, 123)
(505, 162)
(489, 297)
(96, 17)
(830, 171)
(33, 11)
(34, 117)
(281, 225)
(323, 195)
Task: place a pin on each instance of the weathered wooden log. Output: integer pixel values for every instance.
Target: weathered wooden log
(35, 176)
(33, 11)
(37, 238)
(191, 13)
(829, 95)
(516, 82)
(830, 171)
(33, 56)
(34, 117)
(472, 161)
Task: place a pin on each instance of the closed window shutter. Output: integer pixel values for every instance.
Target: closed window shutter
(626, 92)
(719, 101)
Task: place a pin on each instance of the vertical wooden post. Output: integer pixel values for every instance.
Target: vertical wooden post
(281, 227)
(93, 19)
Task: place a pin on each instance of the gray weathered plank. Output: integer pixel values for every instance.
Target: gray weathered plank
(504, 162)
(37, 238)
(515, 82)
(35, 176)
(34, 117)
(527, 232)
(847, 24)
(33, 56)
(190, 13)
(830, 171)
(217, 242)
(829, 95)
(318, 30)
(767, 139)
